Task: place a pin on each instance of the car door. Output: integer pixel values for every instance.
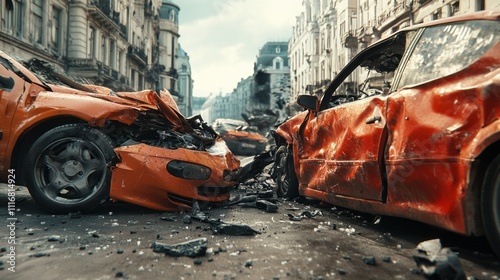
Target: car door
(342, 154)
(436, 112)
(341, 147)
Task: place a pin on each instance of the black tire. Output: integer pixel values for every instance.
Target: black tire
(490, 205)
(286, 179)
(67, 169)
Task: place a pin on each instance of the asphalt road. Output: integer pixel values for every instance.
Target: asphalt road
(326, 243)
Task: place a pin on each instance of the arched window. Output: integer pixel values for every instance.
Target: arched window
(278, 63)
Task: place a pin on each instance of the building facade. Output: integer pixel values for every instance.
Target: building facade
(329, 33)
(265, 92)
(124, 45)
(185, 83)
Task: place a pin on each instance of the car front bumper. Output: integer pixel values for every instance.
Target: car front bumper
(141, 177)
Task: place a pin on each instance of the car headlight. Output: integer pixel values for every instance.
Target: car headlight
(187, 170)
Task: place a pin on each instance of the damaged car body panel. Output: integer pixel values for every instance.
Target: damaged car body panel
(140, 177)
(425, 147)
(86, 143)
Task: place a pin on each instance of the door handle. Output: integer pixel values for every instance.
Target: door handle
(373, 119)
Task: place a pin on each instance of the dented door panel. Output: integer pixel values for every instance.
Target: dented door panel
(435, 130)
(340, 150)
(438, 128)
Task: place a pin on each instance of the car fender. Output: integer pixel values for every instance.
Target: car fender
(289, 130)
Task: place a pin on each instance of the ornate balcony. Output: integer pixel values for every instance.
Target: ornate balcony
(138, 54)
(349, 40)
(100, 11)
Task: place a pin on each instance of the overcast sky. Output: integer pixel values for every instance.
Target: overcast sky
(223, 37)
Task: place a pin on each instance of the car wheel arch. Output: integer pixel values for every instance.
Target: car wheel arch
(80, 188)
(477, 176)
(33, 132)
(489, 201)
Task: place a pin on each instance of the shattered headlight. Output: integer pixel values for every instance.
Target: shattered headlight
(187, 170)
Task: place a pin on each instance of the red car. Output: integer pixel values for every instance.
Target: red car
(421, 137)
(74, 146)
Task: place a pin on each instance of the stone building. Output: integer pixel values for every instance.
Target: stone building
(328, 33)
(185, 83)
(125, 45)
(271, 76)
(263, 93)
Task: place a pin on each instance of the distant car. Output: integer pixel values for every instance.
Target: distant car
(74, 146)
(424, 144)
(241, 138)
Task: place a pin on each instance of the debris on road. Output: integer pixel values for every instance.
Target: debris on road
(219, 226)
(439, 263)
(370, 260)
(305, 214)
(233, 229)
(193, 248)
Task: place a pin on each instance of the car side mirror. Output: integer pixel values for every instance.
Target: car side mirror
(308, 102)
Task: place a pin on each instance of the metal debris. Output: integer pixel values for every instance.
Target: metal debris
(233, 229)
(252, 168)
(192, 248)
(305, 214)
(439, 263)
(219, 226)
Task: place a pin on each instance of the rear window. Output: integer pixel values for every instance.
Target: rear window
(445, 49)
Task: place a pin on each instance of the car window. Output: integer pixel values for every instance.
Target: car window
(446, 49)
(373, 73)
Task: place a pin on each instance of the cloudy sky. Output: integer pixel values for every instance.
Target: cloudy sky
(223, 37)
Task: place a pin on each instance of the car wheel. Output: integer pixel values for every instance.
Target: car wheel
(68, 168)
(490, 202)
(286, 180)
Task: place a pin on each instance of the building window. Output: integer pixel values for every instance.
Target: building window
(141, 86)
(55, 38)
(132, 79)
(92, 42)
(454, 8)
(36, 23)
(480, 5)
(121, 66)
(9, 16)
(436, 14)
(112, 54)
(104, 50)
(278, 50)
(277, 63)
(172, 16)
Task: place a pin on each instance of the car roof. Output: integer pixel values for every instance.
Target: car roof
(482, 15)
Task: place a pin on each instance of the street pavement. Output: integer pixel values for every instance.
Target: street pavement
(299, 240)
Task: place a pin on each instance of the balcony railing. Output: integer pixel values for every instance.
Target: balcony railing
(101, 11)
(83, 63)
(349, 40)
(393, 14)
(138, 54)
(123, 31)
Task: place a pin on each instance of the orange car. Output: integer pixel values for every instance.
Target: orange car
(74, 146)
(240, 137)
(421, 140)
